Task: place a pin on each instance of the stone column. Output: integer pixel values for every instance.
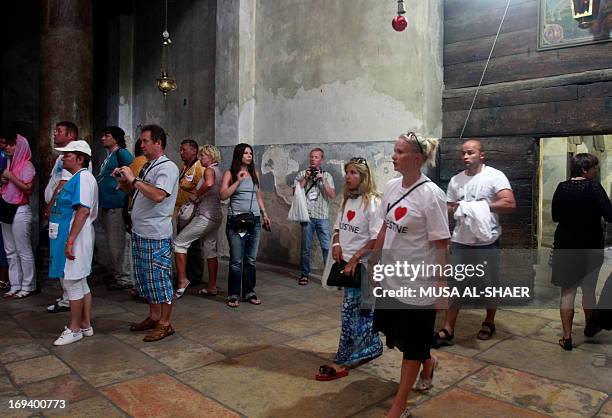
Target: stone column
(66, 87)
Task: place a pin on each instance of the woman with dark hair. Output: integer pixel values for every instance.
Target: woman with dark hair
(415, 231)
(578, 206)
(240, 184)
(17, 186)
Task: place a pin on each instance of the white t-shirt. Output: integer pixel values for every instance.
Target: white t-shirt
(357, 225)
(154, 220)
(483, 186)
(57, 174)
(412, 224)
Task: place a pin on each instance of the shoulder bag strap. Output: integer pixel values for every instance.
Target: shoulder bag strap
(389, 206)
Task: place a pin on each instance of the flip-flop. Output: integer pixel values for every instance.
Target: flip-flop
(205, 292)
(232, 303)
(486, 331)
(566, 344)
(22, 294)
(253, 300)
(180, 292)
(303, 281)
(9, 294)
(327, 373)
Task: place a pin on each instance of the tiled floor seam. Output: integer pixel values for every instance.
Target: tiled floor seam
(608, 399)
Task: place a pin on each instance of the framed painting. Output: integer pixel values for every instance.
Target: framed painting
(558, 29)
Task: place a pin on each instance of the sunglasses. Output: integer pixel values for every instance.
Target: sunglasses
(412, 135)
(359, 160)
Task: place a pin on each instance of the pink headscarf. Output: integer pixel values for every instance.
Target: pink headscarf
(21, 166)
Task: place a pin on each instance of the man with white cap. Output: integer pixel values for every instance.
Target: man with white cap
(72, 237)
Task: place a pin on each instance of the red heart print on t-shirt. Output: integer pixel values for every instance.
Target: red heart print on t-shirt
(350, 215)
(400, 212)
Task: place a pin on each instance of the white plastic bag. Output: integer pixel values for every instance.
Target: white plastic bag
(299, 208)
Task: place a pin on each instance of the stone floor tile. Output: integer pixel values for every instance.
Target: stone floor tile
(13, 334)
(536, 393)
(37, 369)
(601, 343)
(517, 323)
(181, 354)
(6, 387)
(68, 387)
(305, 325)
(281, 312)
(163, 396)
(458, 403)
(285, 386)
(233, 337)
(451, 368)
(88, 408)
(42, 325)
(21, 352)
(323, 344)
(549, 360)
(102, 360)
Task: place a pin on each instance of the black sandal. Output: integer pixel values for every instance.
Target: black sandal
(446, 340)
(566, 344)
(232, 302)
(253, 299)
(303, 281)
(484, 333)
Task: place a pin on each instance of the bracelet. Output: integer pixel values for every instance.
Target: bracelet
(335, 244)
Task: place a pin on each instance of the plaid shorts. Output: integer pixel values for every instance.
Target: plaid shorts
(153, 268)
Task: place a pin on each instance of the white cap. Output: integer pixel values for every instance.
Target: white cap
(78, 146)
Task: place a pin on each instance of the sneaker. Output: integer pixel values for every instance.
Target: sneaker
(68, 337)
(59, 306)
(87, 332)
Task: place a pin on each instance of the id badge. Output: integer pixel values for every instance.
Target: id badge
(53, 230)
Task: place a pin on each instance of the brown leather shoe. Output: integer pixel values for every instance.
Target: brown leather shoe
(159, 333)
(148, 323)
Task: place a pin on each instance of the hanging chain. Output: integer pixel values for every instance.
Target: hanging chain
(485, 70)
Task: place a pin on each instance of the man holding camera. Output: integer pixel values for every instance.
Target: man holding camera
(111, 201)
(319, 188)
(153, 196)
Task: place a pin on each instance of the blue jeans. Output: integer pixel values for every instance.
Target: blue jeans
(321, 226)
(243, 253)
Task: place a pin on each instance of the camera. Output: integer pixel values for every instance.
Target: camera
(118, 174)
(266, 227)
(312, 172)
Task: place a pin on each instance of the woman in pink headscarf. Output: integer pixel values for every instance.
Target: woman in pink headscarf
(16, 220)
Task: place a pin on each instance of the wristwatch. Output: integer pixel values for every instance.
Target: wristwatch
(135, 180)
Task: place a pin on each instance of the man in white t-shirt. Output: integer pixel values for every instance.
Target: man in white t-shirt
(153, 196)
(475, 197)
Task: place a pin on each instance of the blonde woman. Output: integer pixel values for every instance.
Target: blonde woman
(354, 235)
(415, 230)
(205, 223)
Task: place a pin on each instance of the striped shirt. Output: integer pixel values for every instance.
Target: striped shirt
(318, 201)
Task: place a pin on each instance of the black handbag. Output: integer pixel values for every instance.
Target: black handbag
(243, 221)
(7, 211)
(337, 278)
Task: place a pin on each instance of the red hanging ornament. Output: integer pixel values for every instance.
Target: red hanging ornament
(399, 23)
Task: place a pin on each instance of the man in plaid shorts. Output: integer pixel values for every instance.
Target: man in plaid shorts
(153, 196)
